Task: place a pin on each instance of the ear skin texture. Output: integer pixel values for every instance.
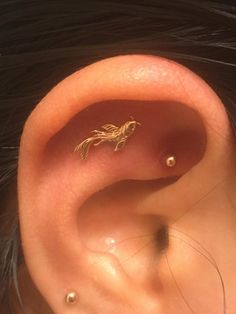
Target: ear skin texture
(76, 215)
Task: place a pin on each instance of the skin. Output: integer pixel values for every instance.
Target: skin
(129, 234)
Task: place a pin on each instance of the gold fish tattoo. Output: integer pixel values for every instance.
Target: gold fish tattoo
(111, 133)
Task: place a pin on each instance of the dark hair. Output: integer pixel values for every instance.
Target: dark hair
(41, 42)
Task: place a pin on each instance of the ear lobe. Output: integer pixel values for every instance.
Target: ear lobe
(54, 183)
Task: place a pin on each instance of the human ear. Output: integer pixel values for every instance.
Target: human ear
(69, 208)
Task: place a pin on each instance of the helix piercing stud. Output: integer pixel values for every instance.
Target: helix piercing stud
(71, 298)
(171, 161)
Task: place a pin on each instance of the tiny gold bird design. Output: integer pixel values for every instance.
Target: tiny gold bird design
(109, 133)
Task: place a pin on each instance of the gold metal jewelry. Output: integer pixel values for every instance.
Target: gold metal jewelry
(110, 133)
(171, 161)
(71, 297)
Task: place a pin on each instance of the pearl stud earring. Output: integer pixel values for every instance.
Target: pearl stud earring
(171, 161)
(71, 298)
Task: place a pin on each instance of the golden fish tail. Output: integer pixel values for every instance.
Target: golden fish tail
(84, 147)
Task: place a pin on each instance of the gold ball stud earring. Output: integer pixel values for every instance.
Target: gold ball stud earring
(71, 298)
(171, 161)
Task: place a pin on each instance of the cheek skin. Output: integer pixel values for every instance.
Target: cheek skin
(199, 265)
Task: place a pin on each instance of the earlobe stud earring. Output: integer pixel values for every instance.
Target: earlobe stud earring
(170, 161)
(71, 297)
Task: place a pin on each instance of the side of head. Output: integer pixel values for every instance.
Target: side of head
(122, 230)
